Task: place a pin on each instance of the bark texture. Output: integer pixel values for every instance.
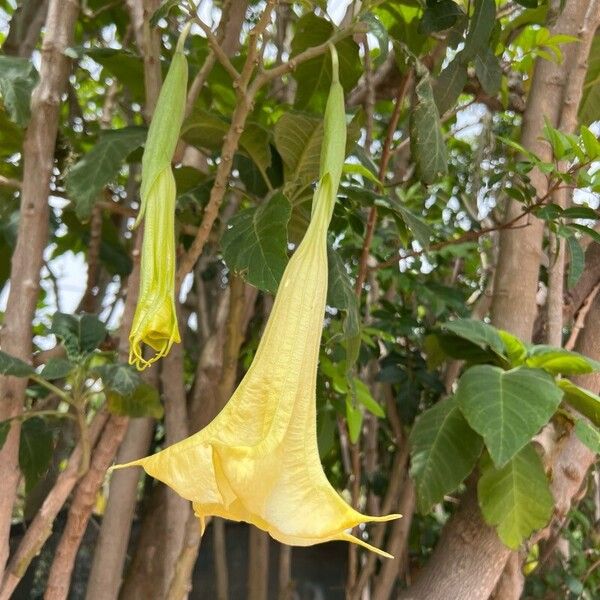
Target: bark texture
(38, 161)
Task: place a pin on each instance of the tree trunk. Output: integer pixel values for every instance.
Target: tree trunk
(61, 570)
(285, 581)
(40, 528)
(38, 161)
(258, 565)
(220, 560)
(111, 547)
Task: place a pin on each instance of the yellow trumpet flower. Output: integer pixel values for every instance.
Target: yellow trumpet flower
(258, 460)
(155, 319)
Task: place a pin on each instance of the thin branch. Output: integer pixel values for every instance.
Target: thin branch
(8, 182)
(218, 52)
(581, 316)
(247, 93)
(385, 158)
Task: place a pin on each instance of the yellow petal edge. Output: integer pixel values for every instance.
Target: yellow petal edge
(258, 460)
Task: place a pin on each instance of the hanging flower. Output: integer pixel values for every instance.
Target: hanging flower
(258, 460)
(155, 319)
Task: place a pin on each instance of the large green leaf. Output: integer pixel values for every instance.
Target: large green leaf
(100, 166)
(206, 130)
(576, 261)
(119, 377)
(314, 75)
(450, 83)
(80, 334)
(560, 362)
(586, 402)
(479, 333)
(439, 16)
(254, 244)
(488, 71)
(589, 107)
(56, 368)
(298, 139)
(143, 402)
(426, 140)
(35, 450)
(340, 293)
(18, 77)
(480, 27)
(11, 365)
(516, 499)
(507, 407)
(444, 450)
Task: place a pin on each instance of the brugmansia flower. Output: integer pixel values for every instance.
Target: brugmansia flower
(258, 460)
(155, 319)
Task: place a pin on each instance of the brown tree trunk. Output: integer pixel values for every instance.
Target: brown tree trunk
(258, 565)
(40, 528)
(59, 579)
(111, 547)
(284, 575)
(38, 161)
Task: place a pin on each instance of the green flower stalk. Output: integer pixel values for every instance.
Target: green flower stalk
(258, 460)
(155, 319)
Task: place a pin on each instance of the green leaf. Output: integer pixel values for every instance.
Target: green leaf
(590, 143)
(479, 333)
(340, 293)
(480, 27)
(56, 368)
(589, 107)
(488, 71)
(11, 365)
(4, 429)
(364, 397)
(560, 362)
(587, 434)
(507, 408)
(143, 402)
(439, 16)
(450, 84)
(377, 28)
(420, 229)
(576, 261)
(254, 244)
(298, 140)
(101, 165)
(444, 450)
(586, 402)
(515, 349)
(426, 140)
(314, 75)
(18, 77)
(119, 377)
(580, 212)
(354, 417)
(35, 450)
(162, 12)
(80, 334)
(516, 499)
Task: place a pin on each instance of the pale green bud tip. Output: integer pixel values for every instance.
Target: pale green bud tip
(335, 69)
(183, 36)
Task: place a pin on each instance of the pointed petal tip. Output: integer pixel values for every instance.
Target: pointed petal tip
(347, 537)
